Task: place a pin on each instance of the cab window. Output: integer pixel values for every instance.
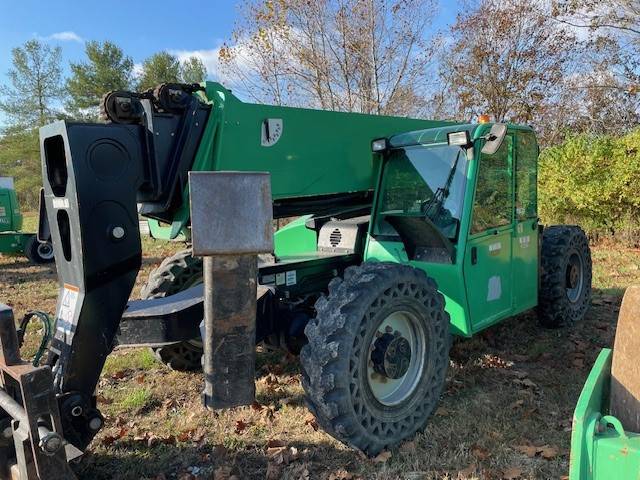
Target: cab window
(526, 176)
(492, 206)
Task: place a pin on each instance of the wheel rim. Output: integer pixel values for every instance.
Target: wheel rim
(393, 376)
(45, 251)
(574, 277)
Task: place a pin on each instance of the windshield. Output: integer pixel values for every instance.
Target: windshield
(427, 182)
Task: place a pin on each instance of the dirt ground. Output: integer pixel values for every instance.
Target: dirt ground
(505, 414)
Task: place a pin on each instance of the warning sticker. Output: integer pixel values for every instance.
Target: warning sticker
(68, 306)
(291, 278)
(280, 279)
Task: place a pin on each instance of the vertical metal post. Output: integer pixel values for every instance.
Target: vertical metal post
(231, 222)
(230, 330)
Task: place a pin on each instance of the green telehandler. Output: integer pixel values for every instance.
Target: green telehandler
(406, 233)
(12, 240)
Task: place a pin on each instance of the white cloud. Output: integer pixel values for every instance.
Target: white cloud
(137, 69)
(208, 57)
(65, 37)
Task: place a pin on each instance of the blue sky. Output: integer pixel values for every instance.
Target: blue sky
(140, 27)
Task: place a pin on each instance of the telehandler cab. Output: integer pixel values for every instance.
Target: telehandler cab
(408, 232)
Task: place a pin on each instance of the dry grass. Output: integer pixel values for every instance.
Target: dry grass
(514, 385)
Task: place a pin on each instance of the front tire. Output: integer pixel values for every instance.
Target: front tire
(175, 274)
(378, 352)
(565, 286)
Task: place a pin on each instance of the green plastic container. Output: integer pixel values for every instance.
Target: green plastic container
(600, 447)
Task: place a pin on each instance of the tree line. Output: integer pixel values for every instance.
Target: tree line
(566, 67)
(38, 93)
(561, 65)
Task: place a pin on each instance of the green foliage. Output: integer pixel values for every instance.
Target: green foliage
(20, 158)
(159, 68)
(595, 182)
(193, 70)
(36, 84)
(107, 68)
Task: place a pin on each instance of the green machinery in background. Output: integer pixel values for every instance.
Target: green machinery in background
(12, 240)
(605, 441)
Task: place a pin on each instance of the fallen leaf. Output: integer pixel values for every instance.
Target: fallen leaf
(548, 452)
(529, 450)
(311, 422)
(256, 406)
(185, 436)
(341, 475)
(169, 403)
(279, 455)
(275, 443)
(480, 453)
(442, 412)
(140, 378)
(241, 426)
(512, 473)
(517, 404)
(104, 400)
(109, 439)
(118, 375)
(382, 457)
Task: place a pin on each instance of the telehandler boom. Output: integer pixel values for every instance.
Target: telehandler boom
(408, 231)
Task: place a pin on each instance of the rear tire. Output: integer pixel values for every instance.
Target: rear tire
(38, 252)
(565, 287)
(175, 274)
(378, 352)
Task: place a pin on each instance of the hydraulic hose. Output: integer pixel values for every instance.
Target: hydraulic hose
(46, 337)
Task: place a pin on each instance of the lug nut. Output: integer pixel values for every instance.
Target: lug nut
(76, 411)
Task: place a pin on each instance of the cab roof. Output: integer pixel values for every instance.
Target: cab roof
(439, 134)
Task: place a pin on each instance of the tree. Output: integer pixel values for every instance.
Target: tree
(160, 68)
(370, 56)
(107, 68)
(507, 60)
(20, 158)
(193, 70)
(606, 83)
(36, 85)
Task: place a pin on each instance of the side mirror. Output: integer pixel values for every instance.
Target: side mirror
(494, 138)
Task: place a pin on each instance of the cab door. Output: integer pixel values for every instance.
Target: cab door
(488, 268)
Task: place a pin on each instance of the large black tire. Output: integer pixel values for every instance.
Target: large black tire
(343, 388)
(38, 252)
(175, 274)
(565, 284)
